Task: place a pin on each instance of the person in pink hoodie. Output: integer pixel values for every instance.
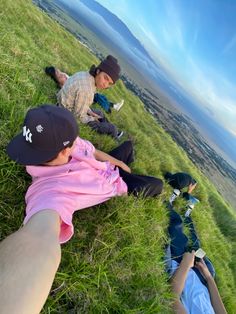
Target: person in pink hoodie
(68, 174)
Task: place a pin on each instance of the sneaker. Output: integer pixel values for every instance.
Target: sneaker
(118, 105)
(189, 210)
(192, 201)
(175, 194)
(120, 134)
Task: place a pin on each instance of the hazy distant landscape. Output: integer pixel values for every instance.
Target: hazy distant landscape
(155, 96)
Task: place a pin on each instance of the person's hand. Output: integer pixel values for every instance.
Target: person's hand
(123, 166)
(202, 267)
(97, 118)
(95, 115)
(191, 187)
(188, 259)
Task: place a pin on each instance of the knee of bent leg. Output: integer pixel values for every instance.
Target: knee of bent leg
(154, 187)
(157, 186)
(113, 130)
(129, 145)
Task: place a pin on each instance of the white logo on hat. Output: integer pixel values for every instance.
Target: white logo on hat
(66, 143)
(27, 134)
(39, 128)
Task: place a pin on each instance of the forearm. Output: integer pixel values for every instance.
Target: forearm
(216, 301)
(85, 118)
(91, 113)
(177, 285)
(29, 259)
(191, 187)
(179, 278)
(101, 156)
(178, 307)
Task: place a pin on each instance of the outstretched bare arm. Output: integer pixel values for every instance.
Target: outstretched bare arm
(29, 259)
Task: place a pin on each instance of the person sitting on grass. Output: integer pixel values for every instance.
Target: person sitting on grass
(68, 174)
(192, 278)
(179, 181)
(60, 78)
(77, 93)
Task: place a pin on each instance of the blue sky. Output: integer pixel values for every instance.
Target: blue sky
(195, 41)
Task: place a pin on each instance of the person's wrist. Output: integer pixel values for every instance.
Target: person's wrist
(187, 264)
(209, 278)
(120, 164)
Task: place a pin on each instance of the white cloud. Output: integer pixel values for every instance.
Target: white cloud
(149, 36)
(214, 92)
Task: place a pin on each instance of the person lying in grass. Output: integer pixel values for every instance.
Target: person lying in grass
(192, 278)
(77, 93)
(68, 174)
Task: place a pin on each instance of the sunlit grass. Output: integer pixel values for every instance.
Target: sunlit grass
(114, 263)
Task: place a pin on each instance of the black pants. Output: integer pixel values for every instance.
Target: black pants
(103, 126)
(180, 242)
(146, 185)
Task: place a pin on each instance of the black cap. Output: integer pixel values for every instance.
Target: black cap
(111, 67)
(47, 130)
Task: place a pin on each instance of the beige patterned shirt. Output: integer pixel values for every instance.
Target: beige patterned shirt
(77, 95)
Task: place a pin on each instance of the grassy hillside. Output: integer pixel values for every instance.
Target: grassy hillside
(114, 262)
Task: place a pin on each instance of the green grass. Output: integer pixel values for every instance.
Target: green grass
(114, 263)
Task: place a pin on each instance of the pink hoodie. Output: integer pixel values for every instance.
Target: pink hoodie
(82, 182)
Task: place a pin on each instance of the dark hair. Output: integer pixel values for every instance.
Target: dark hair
(51, 159)
(168, 176)
(93, 70)
(51, 71)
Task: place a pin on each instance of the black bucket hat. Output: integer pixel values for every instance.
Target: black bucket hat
(111, 67)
